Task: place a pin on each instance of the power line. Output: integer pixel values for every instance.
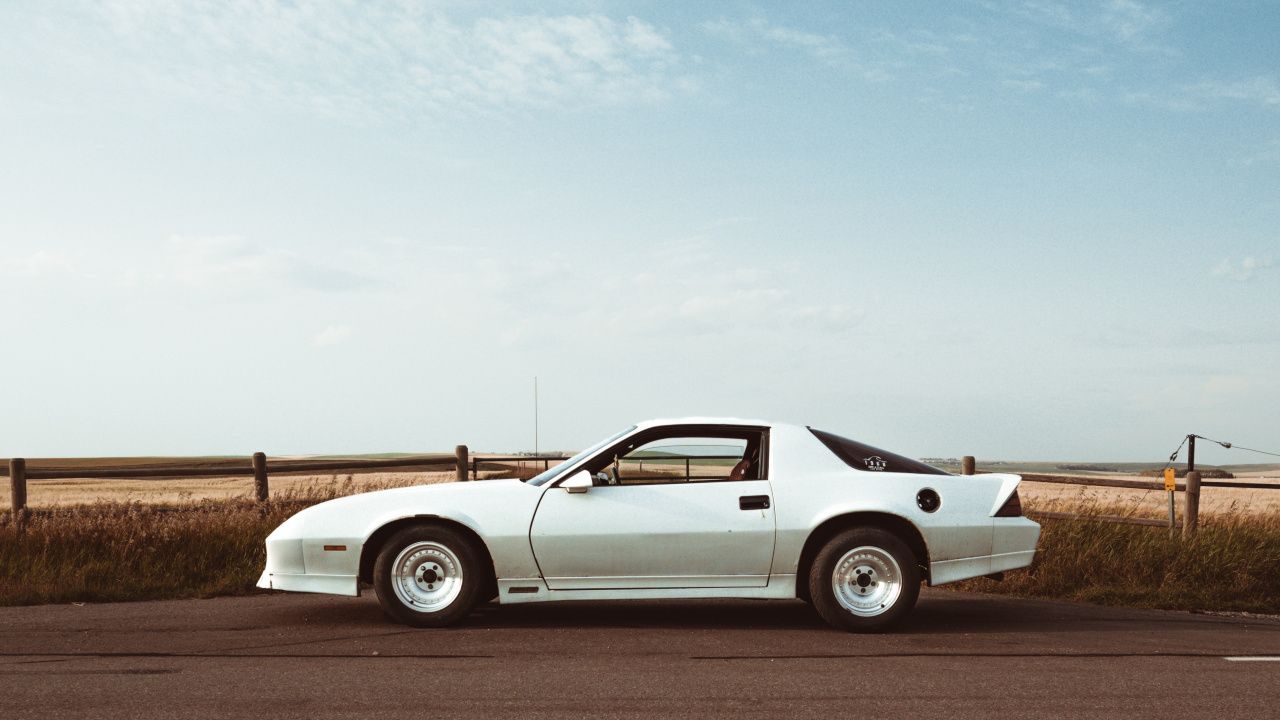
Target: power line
(1237, 447)
(1174, 456)
(1263, 452)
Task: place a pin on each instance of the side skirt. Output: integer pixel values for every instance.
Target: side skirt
(525, 590)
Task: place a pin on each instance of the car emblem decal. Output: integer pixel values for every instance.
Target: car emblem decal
(875, 462)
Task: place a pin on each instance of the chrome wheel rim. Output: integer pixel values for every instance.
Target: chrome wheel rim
(867, 581)
(427, 576)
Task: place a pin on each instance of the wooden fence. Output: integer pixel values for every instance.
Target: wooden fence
(1190, 490)
(469, 467)
(465, 466)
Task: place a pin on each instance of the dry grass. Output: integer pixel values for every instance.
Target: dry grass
(113, 551)
(189, 547)
(1232, 564)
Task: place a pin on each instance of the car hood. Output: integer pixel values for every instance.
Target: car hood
(359, 515)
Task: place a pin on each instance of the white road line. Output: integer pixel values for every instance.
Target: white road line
(1252, 659)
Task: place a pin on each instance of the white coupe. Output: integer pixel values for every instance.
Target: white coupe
(695, 508)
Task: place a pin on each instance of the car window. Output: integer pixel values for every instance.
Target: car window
(871, 459)
(671, 456)
(558, 470)
(681, 459)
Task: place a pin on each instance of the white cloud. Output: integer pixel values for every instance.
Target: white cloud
(212, 261)
(331, 335)
(1052, 12)
(1088, 94)
(1129, 21)
(43, 262)
(756, 30)
(1219, 389)
(1025, 44)
(1211, 95)
(1267, 153)
(1024, 85)
(1261, 90)
(1125, 21)
(225, 262)
(1244, 270)
(697, 293)
(372, 60)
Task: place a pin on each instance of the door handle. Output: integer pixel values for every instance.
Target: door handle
(753, 502)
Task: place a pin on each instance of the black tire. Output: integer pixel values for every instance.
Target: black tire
(868, 580)
(447, 576)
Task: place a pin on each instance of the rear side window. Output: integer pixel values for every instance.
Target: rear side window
(867, 458)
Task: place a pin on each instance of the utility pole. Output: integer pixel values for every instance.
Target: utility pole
(1191, 516)
(535, 416)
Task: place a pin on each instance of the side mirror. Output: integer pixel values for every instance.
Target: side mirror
(578, 482)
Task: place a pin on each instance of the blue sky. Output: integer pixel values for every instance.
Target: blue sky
(1022, 230)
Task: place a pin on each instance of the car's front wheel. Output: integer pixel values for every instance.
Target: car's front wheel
(864, 580)
(428, 576)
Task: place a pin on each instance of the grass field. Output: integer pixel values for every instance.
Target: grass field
(113, 540)
(113, 551)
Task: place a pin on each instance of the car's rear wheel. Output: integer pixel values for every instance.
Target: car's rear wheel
(864, 579)
(428, 576)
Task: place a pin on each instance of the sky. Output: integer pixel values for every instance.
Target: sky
(1015, 230)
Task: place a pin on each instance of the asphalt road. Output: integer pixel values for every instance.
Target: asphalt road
(308, 656)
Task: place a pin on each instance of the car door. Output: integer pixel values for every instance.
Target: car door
(688, 521)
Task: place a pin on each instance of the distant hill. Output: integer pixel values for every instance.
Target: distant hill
(1182, 472)
(1055, 467)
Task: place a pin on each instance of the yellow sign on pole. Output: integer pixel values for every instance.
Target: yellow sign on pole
(1169, 480)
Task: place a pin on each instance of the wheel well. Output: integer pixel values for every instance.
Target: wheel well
(895, 524)
(373, 546)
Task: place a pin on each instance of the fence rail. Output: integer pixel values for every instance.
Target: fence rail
(260, 469)
(477, 463)
(1100, 482)
(1190, 489)
(1140, 484)
(1122, 519)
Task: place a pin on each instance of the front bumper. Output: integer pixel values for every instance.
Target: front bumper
(300, 561)
(304, 582)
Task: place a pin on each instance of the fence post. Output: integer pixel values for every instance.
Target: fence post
(461, 452)
(18, 486)
(1191, 515)
(967, 465)
(260, 476)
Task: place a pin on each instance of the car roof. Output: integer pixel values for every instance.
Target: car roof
(704, 421)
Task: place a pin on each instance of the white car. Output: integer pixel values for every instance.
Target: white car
(695, 508)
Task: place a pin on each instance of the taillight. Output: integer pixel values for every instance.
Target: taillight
(1011, 507)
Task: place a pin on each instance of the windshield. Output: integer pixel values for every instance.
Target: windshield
(555, 472)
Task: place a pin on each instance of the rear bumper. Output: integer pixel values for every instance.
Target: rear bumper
(946, 571)
(327, 584)
(1013, 545)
